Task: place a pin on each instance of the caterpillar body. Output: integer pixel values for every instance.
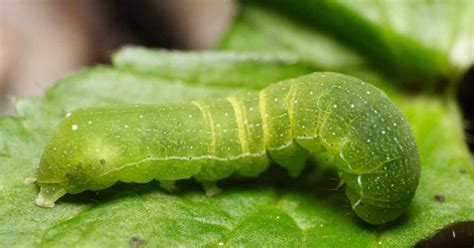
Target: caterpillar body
(339, 117)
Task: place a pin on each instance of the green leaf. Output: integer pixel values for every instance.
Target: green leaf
(272, 55)
(228, 69)
(275, 32)
(411, 42)
(322, 51)
(271, 210)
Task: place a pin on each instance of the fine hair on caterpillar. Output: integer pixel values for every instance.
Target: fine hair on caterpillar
(351, 124)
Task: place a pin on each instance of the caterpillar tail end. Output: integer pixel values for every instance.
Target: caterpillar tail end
(48, 195)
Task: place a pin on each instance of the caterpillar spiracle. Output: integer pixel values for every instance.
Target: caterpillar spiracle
(352, 124)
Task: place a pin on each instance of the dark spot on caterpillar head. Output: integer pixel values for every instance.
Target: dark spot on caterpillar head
(440, 198)
(148, 156)
(102, 161)
(462, 171)
(190, 158)
(136, 241)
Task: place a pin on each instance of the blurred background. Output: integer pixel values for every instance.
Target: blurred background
(44, 40)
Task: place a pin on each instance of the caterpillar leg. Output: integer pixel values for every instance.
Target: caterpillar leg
(48, 195)
(293, 158)
(210, 187)
(30, 180)
(168, 185)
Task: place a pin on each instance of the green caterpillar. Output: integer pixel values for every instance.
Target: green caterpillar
(351, 124)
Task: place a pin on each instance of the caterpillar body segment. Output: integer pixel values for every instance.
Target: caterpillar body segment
(326, 114)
